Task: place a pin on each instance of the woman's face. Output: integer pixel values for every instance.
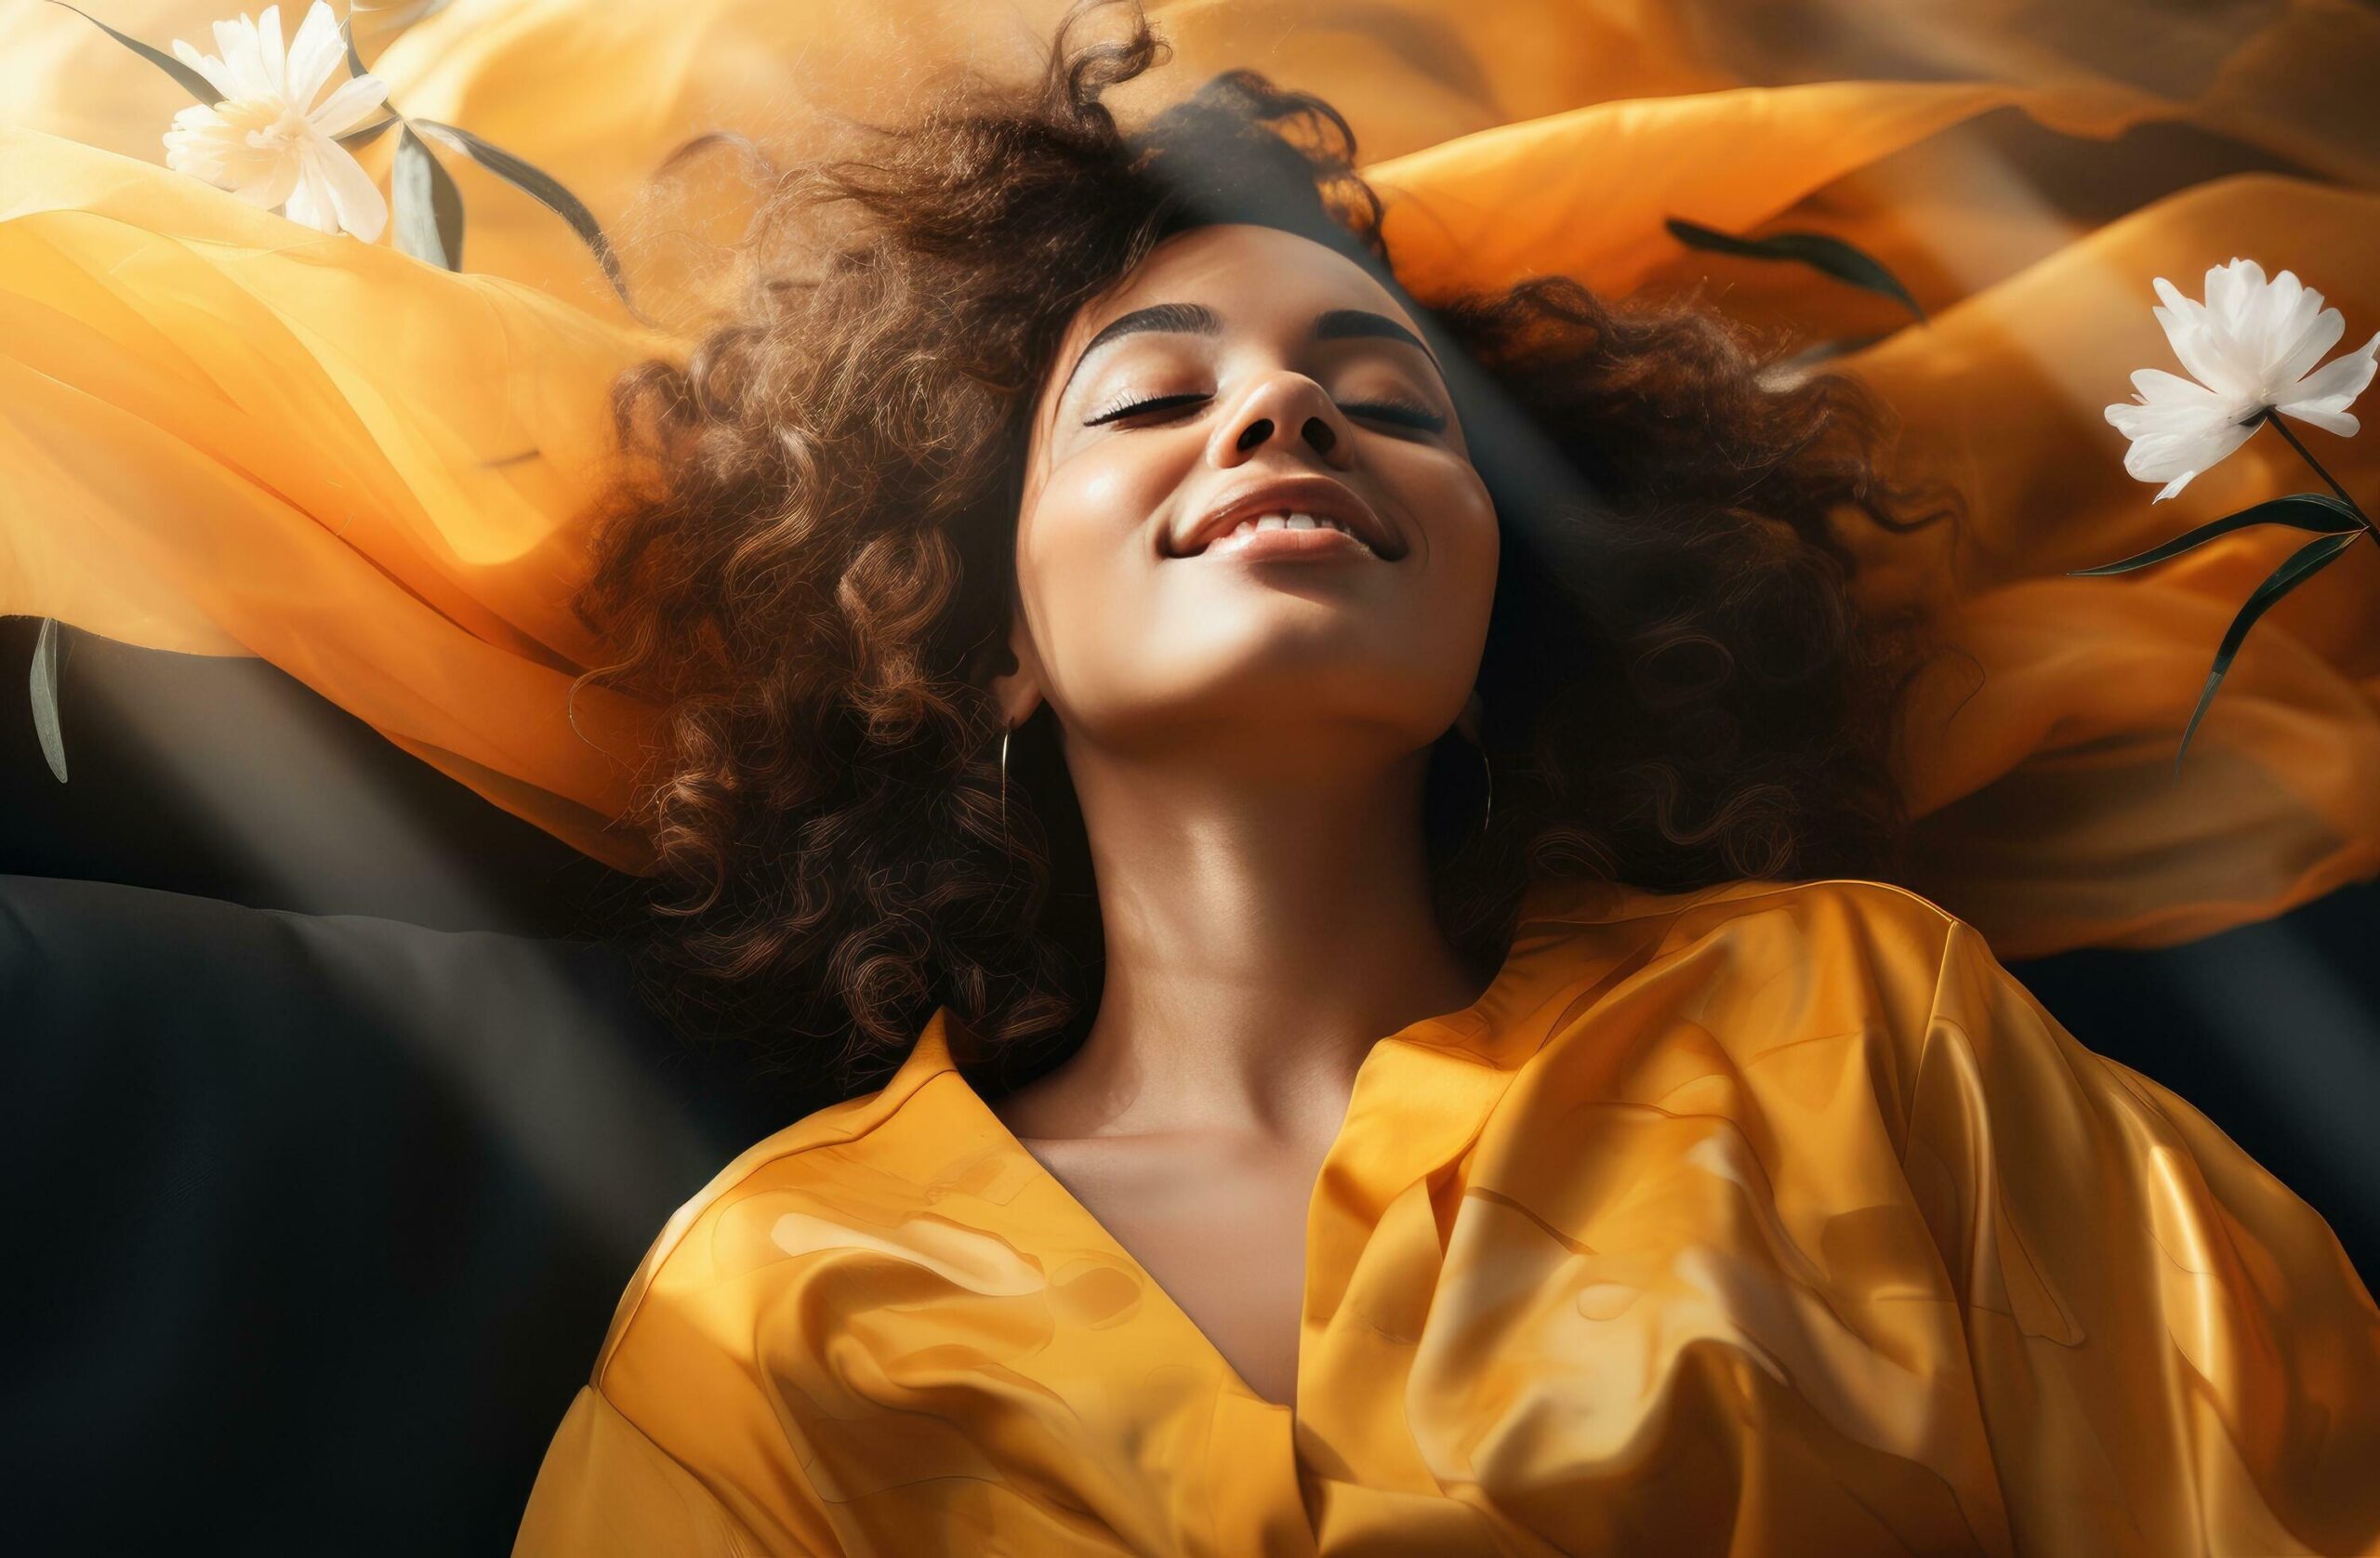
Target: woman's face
(1240, 372)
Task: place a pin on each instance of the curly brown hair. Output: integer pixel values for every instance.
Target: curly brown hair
(809, 560)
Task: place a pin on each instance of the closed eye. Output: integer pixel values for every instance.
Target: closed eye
(1403, 414)
(1134, 408)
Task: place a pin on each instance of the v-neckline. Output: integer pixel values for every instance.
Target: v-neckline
(1463, 1029)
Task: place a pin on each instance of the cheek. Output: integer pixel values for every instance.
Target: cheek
(1084, 521)
(1475, 517)
(1458, 522)
(1083, 555)
(1454, 596)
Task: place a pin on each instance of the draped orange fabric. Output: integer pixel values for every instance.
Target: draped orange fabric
(223, 434)
(1774, 1219)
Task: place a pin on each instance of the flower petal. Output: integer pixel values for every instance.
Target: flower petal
(2167, 402)
(2340, 422)
(203, 144)
(2188, 328)
(2170, 488)
(2154, 460)
(2230, 326)
(314, 54)
(194, 158)
(2183, 308)
(2260, 317)
(310, 202)
(197, 119)
(242, 51)
(350, 104)
(2278, 325)
(2337, 383)
(2159, 388)
(273, 188)
(2137, 422)
(2160, 456)
(270, 56)
(2300, 355)
(2160, 410)
(2217, 290)
(352, 194)
(2225, 438)
(217, 75)
(2232, 291)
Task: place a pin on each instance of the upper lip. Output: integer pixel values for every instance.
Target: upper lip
(1319, 495)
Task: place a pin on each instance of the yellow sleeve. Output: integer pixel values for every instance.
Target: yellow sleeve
(2171, 1352)
(607, 1491)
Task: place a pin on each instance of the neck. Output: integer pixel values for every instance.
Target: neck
(1263, 930)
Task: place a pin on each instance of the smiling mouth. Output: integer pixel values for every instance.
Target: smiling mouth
(1289, 536)
(1298, 517)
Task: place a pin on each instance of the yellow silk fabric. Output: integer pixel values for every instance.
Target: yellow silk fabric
(223, 434)
(1776, 1218)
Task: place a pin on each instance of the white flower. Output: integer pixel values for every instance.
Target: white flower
(268, 141)
(2251, 346)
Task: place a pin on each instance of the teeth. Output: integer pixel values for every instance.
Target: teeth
(1293, 521)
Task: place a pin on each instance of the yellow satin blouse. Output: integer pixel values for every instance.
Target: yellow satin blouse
(1776, 1218)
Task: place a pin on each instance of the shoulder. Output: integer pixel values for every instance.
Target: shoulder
(1855, 911)
(703, 1276)
(1827, 898)
(1759, 927)
(1803, 986)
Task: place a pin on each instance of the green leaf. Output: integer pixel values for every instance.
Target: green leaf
(44, 686)
(347, 36)
(1831, 256)
(369, 133)
(2302, 565)
(428, 207)
(546, 190)
(194, 83)
(2318, 511)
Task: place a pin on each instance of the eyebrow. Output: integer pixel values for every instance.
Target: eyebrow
(1197, 319)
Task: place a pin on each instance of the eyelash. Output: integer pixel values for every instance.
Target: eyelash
(1403, 413)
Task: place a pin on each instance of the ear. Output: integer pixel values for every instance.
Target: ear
(1018, 688)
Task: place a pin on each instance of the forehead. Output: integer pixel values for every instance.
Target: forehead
(1251, 276)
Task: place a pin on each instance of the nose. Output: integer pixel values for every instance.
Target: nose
(1283, 403)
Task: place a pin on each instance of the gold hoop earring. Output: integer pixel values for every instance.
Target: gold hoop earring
(1004, 779)
(1489, 772)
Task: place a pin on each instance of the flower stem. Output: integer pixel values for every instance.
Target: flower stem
(2277, 425)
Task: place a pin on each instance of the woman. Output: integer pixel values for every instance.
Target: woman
(1549, 1139)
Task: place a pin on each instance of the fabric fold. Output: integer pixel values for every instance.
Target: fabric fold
(224, 434)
